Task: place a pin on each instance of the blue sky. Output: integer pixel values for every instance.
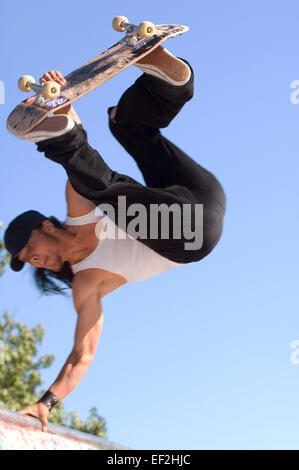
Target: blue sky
(197, 357)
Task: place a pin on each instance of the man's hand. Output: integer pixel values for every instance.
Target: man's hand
(53, 75)
(56, 76)
(40, 411)
(59, 78)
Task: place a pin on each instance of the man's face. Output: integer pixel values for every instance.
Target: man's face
(42, 249)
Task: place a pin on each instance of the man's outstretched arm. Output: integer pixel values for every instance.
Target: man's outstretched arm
(87, 300)
(88, 330)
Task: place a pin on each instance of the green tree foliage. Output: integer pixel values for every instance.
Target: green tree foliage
(4, 256)
(20, 371)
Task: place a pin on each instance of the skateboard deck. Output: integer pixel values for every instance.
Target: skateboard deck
(104, 66)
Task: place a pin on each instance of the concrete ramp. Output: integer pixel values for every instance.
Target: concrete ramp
(18, 432)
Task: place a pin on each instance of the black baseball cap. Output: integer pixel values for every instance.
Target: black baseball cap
(18, 233)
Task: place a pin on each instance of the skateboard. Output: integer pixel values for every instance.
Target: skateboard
(137, 43)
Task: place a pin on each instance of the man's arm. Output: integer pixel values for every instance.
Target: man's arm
(87, 297)
(88, 330)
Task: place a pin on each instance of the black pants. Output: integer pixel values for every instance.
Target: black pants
(171, 176)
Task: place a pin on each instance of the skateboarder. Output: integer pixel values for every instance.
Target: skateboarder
(79, 252)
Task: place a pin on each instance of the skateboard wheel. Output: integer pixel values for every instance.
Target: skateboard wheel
(146, 29)
(117, 23)
(51, 90)
(23, 83)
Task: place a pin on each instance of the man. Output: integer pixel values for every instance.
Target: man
(79, 252)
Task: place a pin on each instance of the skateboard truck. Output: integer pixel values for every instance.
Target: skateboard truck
(50, 90)
(134, 33)
(135, 36)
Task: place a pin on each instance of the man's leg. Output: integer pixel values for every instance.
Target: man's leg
(92, 178)
(151, 104)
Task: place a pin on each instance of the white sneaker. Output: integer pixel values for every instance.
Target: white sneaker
(51, 127)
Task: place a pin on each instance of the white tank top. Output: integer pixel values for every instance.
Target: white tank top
(122, 254)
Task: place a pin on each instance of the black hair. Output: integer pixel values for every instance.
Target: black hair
(44, 277)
